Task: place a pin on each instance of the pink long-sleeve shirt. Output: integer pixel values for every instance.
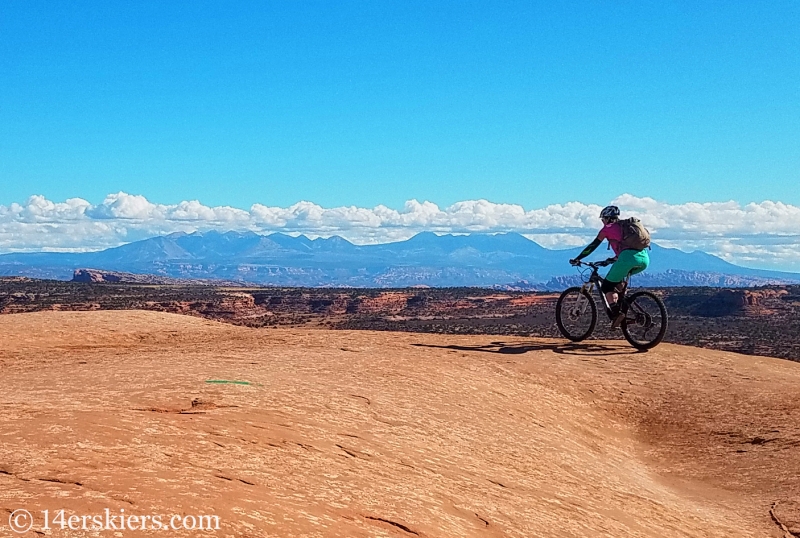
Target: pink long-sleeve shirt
(612, 232)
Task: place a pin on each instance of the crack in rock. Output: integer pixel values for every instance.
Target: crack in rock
(485, 522)
(242, 480)
(12, 475)
(761, 440)
(369, 402)
(60, 481)
(393, 523)
(349, 453)
(786, 532)
(197, 408)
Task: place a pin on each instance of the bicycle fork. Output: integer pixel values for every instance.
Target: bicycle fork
(582, 303)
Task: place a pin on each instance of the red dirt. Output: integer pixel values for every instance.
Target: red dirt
(533, 299)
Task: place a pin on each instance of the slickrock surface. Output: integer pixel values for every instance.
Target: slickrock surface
(357, 433)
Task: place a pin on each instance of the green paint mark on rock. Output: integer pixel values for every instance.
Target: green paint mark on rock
(227, 382)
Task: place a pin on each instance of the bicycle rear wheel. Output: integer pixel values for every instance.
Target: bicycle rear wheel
(576, 314)
(645, 321)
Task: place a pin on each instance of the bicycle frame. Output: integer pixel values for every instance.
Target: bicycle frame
(595, 281)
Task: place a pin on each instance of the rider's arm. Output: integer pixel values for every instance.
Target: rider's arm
(590, 248)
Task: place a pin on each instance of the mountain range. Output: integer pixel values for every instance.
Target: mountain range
(499, 260)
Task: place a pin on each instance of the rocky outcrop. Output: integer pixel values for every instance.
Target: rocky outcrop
(739, 302)
(521, 285)
(88, 275)
(97, 276)
(389, 302)
(232, 306)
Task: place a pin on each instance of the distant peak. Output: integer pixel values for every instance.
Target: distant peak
(332, 239)
(425, 235)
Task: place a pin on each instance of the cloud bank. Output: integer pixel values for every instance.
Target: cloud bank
(765, 234)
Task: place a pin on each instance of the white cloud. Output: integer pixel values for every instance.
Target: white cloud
(765, 234)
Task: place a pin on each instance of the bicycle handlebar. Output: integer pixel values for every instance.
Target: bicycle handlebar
(595, 265)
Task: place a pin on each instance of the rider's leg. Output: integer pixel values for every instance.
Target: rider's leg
(612, 297)
(615, 275)
(628, 262)
(609, 287)
(641, 261)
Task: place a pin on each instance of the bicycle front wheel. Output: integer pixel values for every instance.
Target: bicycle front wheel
(645, 321)
(576, 314)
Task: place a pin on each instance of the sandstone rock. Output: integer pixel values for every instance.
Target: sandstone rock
(786, 514)
(91, 275)
(97, 275)
(358, 433)
(737, 302)
(388, 302)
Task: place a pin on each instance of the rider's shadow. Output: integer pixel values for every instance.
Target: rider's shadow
(570, 348)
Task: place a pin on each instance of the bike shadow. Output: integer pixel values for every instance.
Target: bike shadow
(569, 348)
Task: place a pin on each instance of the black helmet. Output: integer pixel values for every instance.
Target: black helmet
(610, 212)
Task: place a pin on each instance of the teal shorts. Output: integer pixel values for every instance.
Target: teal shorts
(628, 262)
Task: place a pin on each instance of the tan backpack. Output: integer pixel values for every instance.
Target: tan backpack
(634, 235)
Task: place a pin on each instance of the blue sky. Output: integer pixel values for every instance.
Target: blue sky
(367, 103)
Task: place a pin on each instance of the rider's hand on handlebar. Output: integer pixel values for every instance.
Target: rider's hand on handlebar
(575, 262)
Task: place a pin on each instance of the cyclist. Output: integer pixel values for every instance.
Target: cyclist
(628, 261)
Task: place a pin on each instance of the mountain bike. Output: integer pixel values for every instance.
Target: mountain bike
(645, 320)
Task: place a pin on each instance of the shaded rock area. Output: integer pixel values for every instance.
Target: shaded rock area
(759, 321)
(740, 302)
